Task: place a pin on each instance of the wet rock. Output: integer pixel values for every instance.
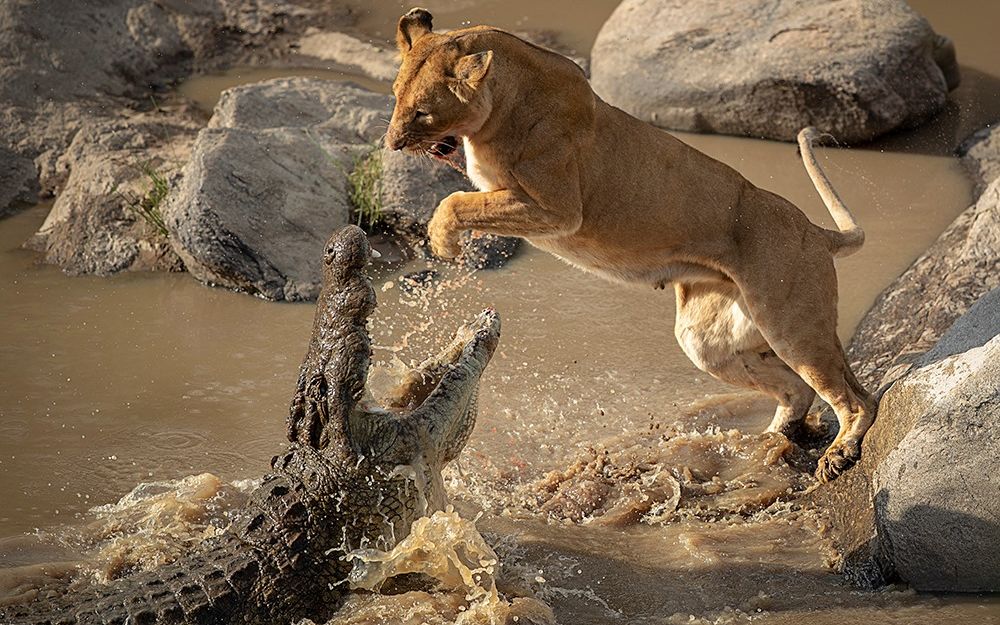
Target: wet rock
(109, 172)
(942, 284)
(929, 467)
(856, 69)
(487, 251)
(18, 181)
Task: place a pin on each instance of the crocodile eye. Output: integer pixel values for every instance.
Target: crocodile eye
(331, 253)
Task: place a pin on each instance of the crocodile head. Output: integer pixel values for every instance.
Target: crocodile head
(395, 452)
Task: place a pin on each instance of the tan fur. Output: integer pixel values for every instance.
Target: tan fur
(755, 282)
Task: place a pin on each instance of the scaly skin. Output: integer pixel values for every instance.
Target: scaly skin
(355, 475)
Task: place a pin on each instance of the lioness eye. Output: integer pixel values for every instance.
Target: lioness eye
(420, 114)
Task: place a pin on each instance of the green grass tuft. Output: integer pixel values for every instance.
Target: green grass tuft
(365, 188)
(148, 205)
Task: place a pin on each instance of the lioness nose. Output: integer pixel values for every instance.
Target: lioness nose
(394, 140)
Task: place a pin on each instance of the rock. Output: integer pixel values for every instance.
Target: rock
(981, 156)
(855, 69)
(929, 467)
(411, 189)
(487, 251)
(923, 503)
(267, 184)
(94, 226)
(350, 54)
(937, 491)
(268, 181)
(18, 181)
(912, 313)
(255, 207)
(64, 62)
(351, 112)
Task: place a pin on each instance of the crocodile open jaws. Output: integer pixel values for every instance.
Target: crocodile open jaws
(356, 474)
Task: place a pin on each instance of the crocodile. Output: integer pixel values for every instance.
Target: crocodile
(355, 474)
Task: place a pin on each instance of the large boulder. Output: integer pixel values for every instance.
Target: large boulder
(267, 183)
(761, 68)
(922, 504)
(929, 468)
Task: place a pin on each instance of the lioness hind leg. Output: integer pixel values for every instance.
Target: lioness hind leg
(720, 339)
(798, 317)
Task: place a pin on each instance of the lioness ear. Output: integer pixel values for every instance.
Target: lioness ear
(413, 26)
(473, 67)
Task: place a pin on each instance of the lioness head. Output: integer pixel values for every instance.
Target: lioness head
(441, 90)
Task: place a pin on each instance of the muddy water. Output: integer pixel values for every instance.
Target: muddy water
(139, 379)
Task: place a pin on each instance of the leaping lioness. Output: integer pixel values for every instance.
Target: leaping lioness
(755, 282)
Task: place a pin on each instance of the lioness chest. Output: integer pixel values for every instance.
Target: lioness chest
(479, 171)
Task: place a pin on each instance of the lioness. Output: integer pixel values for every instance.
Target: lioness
(755, 282)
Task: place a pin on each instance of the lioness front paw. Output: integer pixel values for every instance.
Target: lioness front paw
(443, 232)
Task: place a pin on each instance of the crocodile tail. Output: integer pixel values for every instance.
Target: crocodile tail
(849, 237)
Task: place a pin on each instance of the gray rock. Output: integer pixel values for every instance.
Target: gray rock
(256, 206)
(267, 183)
(412, 187)
(937, 492)
(981, 156)
(93, 227)
(913, 312)
(353, 114)
(973, 329)
(923, 504)
(761, 68)
(350, 54)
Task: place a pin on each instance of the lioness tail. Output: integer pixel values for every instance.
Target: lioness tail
(850, 236)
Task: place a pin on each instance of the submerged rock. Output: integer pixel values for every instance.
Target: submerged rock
(856, 69)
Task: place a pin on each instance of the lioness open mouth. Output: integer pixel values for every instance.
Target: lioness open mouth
(443, 148)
